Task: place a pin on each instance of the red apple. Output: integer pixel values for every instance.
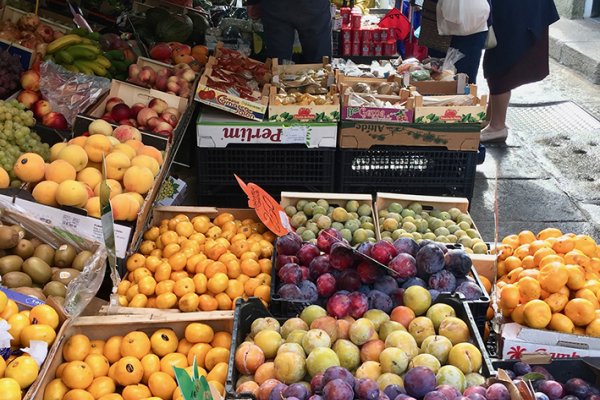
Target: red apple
(164, 133)
(170, 118)
(41, 108)
(173, 87)
(30, 80)
(55, 120)
(136, 108)
(163, 126)
(161, 51)
(158, 105)
(120, 111)
(152, 123)
(45, 32)
(125, 132)
(134, 71)
(144, 115)
(173, 111)
(113, 101)
(125, 122)
(108, 118)
(147, 75)
(28, 97)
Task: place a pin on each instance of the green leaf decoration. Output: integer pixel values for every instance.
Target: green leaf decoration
(533, 376)
(192, 388)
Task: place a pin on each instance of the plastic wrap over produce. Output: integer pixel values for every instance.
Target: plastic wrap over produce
(68, 92)
(82, 289)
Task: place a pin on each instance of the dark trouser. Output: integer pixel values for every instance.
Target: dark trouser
(472, 47)
(312, 20)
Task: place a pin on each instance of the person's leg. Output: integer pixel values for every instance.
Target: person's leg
(279, 32)
(496, 130)
(471, 47)
(313, 23)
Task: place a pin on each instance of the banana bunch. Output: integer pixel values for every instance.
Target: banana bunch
(79, 53)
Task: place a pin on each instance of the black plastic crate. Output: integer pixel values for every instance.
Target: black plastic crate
(275, 168)
(247, 311)
(415, 170)
(562, 369)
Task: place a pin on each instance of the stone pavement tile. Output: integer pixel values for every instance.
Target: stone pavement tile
(505, 228)
(532, 200)
(511, 163)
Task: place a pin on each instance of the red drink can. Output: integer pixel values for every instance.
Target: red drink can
(365, 49)
(356, 20)
(378, 50)
(356, 49)
(346, 35)
(376, 35)
(390, 48)
(384, 34)
(366, 35)
(356, 34)
(347, 49)
(345, 12)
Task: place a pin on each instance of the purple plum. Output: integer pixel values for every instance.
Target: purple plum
(430, 259)
(406, 246)
(289, 244)
(338, 305)
(368, 272)
(434, 293)
(364, 248)
(366, 389)
(309, 290)
(290, 292)
(414, 282)
(419, 381)
(383, 252)
(404, 397)
(543, 371)
(359, 304)
(497, 391)
(290, 273)
(521, 368)
(404, 266)
(305, 272)
(316, 383)
(450, 392)
(341, 256)
(477, 396)
(435, 395)
(326, 238)
(474, 389)
(397, 297)
(333, 373)
(281, 260)
(338, 389)
(541, 396)
(319, 266)
(349, 280)
(315, 397)
(470, 290)
(297, 390)
(326, 285)
(552, 389)
(307, 253)
(380, 301)
(277, 392)
(577, 387)
(458, 262)
(386, 284)
(392, 391)
(443, 281)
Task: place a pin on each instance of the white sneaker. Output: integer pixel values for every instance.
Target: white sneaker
(492, 135)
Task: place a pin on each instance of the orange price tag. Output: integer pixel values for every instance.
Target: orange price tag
(268, 210)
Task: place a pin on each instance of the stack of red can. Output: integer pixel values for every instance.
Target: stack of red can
(366, 41)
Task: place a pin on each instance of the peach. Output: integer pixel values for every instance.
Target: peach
(55, 120)
(41, 108)
(248, 357)
(124, 207)
(28, 98)
(138, 197)
(71, 193)
(100, 127)
(144, 115)
(30, 167)
(115, 188)
(371, 350)
(146, 161)
(4, 179)
(123, 133)
(248, 387)
(30, 80)
(264, 373)
(79, 141)
(162, 127)
(116, 165)
(55, 149)
(174, 111)
(93, 207)
(113, 101)
(125, 149)
(158, 105)
(96, 147)
(152, 152)
(74, 155)
(59, 171)
(90, 176)
(45, 193)
(138, 179)
(135, 144)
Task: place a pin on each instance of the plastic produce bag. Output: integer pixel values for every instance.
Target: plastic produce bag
(462, 17)
(70, 93)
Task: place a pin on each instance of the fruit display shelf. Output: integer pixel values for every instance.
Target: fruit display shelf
(247, 312)
(105, 327)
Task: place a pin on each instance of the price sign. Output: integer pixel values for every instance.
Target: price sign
(398, 24)
(268, 210)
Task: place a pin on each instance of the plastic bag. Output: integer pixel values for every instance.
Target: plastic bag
(452, 57)
(462, 17)
(70, 93)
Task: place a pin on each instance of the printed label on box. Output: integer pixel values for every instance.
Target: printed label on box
(377, 114)
(228, 102)
(295, 134)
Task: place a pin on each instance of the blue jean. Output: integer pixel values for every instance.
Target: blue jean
(472, 47)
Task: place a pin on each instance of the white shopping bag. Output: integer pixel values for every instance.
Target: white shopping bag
(462, 17)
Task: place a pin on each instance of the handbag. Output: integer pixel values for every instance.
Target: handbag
(462, 17)
(490, 40)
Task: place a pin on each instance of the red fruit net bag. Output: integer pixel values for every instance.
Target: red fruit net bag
(70, 93)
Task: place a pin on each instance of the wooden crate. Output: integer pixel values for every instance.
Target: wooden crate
(378, 114)
(13, 14)
(305, 113)
(450, 114)
(103, 327)
(157, 66)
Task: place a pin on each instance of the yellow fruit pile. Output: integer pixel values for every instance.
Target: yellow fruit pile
(551, 281)
(138, 366)
(199, 265)
(74, 175)
(17, 373)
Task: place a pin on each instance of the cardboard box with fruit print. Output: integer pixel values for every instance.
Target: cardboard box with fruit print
(468, 108)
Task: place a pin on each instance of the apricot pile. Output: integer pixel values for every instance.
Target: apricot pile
(138, 365)
(18, 372)
(550, 280)
(199, 265)
(73, 176)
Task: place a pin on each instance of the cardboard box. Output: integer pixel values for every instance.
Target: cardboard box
(103, 327)
(457, 86)
(218, 129)
(27, 55)
(178, 196)
(366, 134)
(304, 113)
(13, 14)
(379, 114)
(485, 264)
(157, 66)
(517, 339)
(450, 114)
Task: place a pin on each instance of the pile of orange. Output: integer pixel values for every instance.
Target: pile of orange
(17, 373)
(138, 366)
(550, 281)
(199, 265)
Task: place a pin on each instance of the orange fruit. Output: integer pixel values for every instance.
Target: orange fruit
(184, 286)
(218, 283)
(526, 237)
(512, 241)
(162, 385)
(163, 342)
(214, 268)
(561, 323)
(197, 332)
(199, 351)
(512, 263)
(23, 369)
(537, 314)
(128, 371)
(539, 254)
(78, 394)
(589, 296)
(528, 262)
(234, 289)
(135, 344)
(263, 292)
(580, 311)
(532, 273)
(136, 392)
(557, 302)
(207, 303)
(150, 364)
(250, 267)
(223, 301)
(529, 289)
(521, 251)
(513, 276)
(593, 328)
(550, 258)
(147, 285)
(549, 233)
(112, 349)
(97, 346)
(184, 346)
(214, 356)
(585, 244)
(17, 323)
(77, 375)
(218, 373)
(55, 390)
(170, 360)
(486, 283)
(177, 261)
(101, 386)
(250, 286)
(221, 339)
(164, 287)
(44, 314)
(98, 363)
(564, 244)
(517, 314)
(200, 283)
(576, 277)
(166, 300)
(42, 333)
(135, 261)
(553, 276)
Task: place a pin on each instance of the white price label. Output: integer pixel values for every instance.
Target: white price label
(294, 134)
